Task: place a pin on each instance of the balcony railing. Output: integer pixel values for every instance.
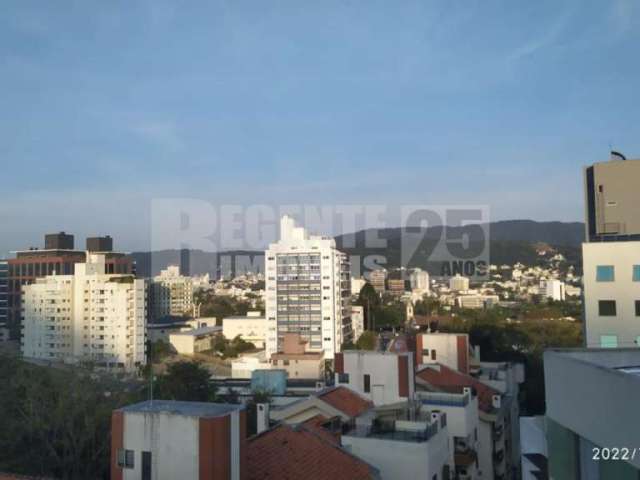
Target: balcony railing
(387, 431)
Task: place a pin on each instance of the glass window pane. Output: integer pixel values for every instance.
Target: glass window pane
(605, 273)
(608, 341)
(636, 273)
(607, 308)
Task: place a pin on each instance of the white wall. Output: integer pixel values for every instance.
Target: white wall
(622, 255)
(172, 441)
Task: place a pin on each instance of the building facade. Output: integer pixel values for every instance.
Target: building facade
(591, 397)
(611, 254)
(170, 294)
(459, 283)
(58, 257)
(308, 290)
(4, 292)
(251, 328)
(419, 280)
(90, 316)
(378, 280)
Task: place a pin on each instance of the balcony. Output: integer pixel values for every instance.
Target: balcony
(388, 430)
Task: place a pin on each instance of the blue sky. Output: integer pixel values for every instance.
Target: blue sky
(108, 105)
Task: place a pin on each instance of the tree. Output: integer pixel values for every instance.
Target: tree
(188, 381)
(370, 300)
(367, 341)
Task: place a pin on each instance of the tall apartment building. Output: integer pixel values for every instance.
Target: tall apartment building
(170, 294)
(88, 316)
(4, 292)
(459, 283)
(611, 254)
(308, 290)
(419, 280)
(378, 279)
(58, 256)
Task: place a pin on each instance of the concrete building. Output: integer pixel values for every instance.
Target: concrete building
(554, 290)
(356, 285)
(611, 294)
(402, 441)
(168, 440)
(396, 285)
(308, 287)
(170, 293)
(251, 328)
(450, 349)
(611, 200)
(4, 333)
(58, 257)
(382, 377)
(90, 316)
(461, 409)
(592, 411)
(611, 253)
(378, 280)
(195, 340)
(498, 449)
(296, 360)
(534, 454)
(243, 366)
(357, 321)
(419, 280)
(4, 292)
(458, 283)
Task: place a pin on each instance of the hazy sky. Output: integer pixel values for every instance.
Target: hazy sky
(105, 106)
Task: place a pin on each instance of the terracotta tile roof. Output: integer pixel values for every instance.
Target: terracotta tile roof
(346, 400)
(448, 379)
(317, 425)
(292, 453)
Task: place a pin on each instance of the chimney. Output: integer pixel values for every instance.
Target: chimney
(262, 417)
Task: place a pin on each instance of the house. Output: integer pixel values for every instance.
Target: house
(296, 360)
(190, 342)
(382, 377)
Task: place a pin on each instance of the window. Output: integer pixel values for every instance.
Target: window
(125, 458)
(343, 378)
(607, 308)
(605, 273)
(636, 273)
(367, 383)
(433, 354)
(637, 308)
(285, 363)
(146, 465)
(608, 341)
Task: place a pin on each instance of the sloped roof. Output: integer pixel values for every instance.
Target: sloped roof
(447, 378)
(292, 453)
(346, 400)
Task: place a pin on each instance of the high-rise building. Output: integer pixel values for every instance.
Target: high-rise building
(459, 283)
(4, 292)
(419, 280)
(100, 244)
(88, 316)
(611, 254)
(170, 294)
(307, 290)
(378, 279)
(59, 257)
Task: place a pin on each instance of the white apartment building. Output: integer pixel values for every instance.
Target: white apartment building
(458, 283)
(450, 349)
(170, 293)
(88, 316)
(307, 290)
(357, 321)
(383, 377)
(357, 284)
(251, 328)
(554, 290)
(419, 280)
(612, 294)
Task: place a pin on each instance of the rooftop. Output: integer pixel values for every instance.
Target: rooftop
(291, 453)
(621, 361)
(195, 332)
(346, 400)
(190, 409)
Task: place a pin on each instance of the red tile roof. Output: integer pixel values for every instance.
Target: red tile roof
(317, 425)
(346, 400)
(448, 379)
(292, 453)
